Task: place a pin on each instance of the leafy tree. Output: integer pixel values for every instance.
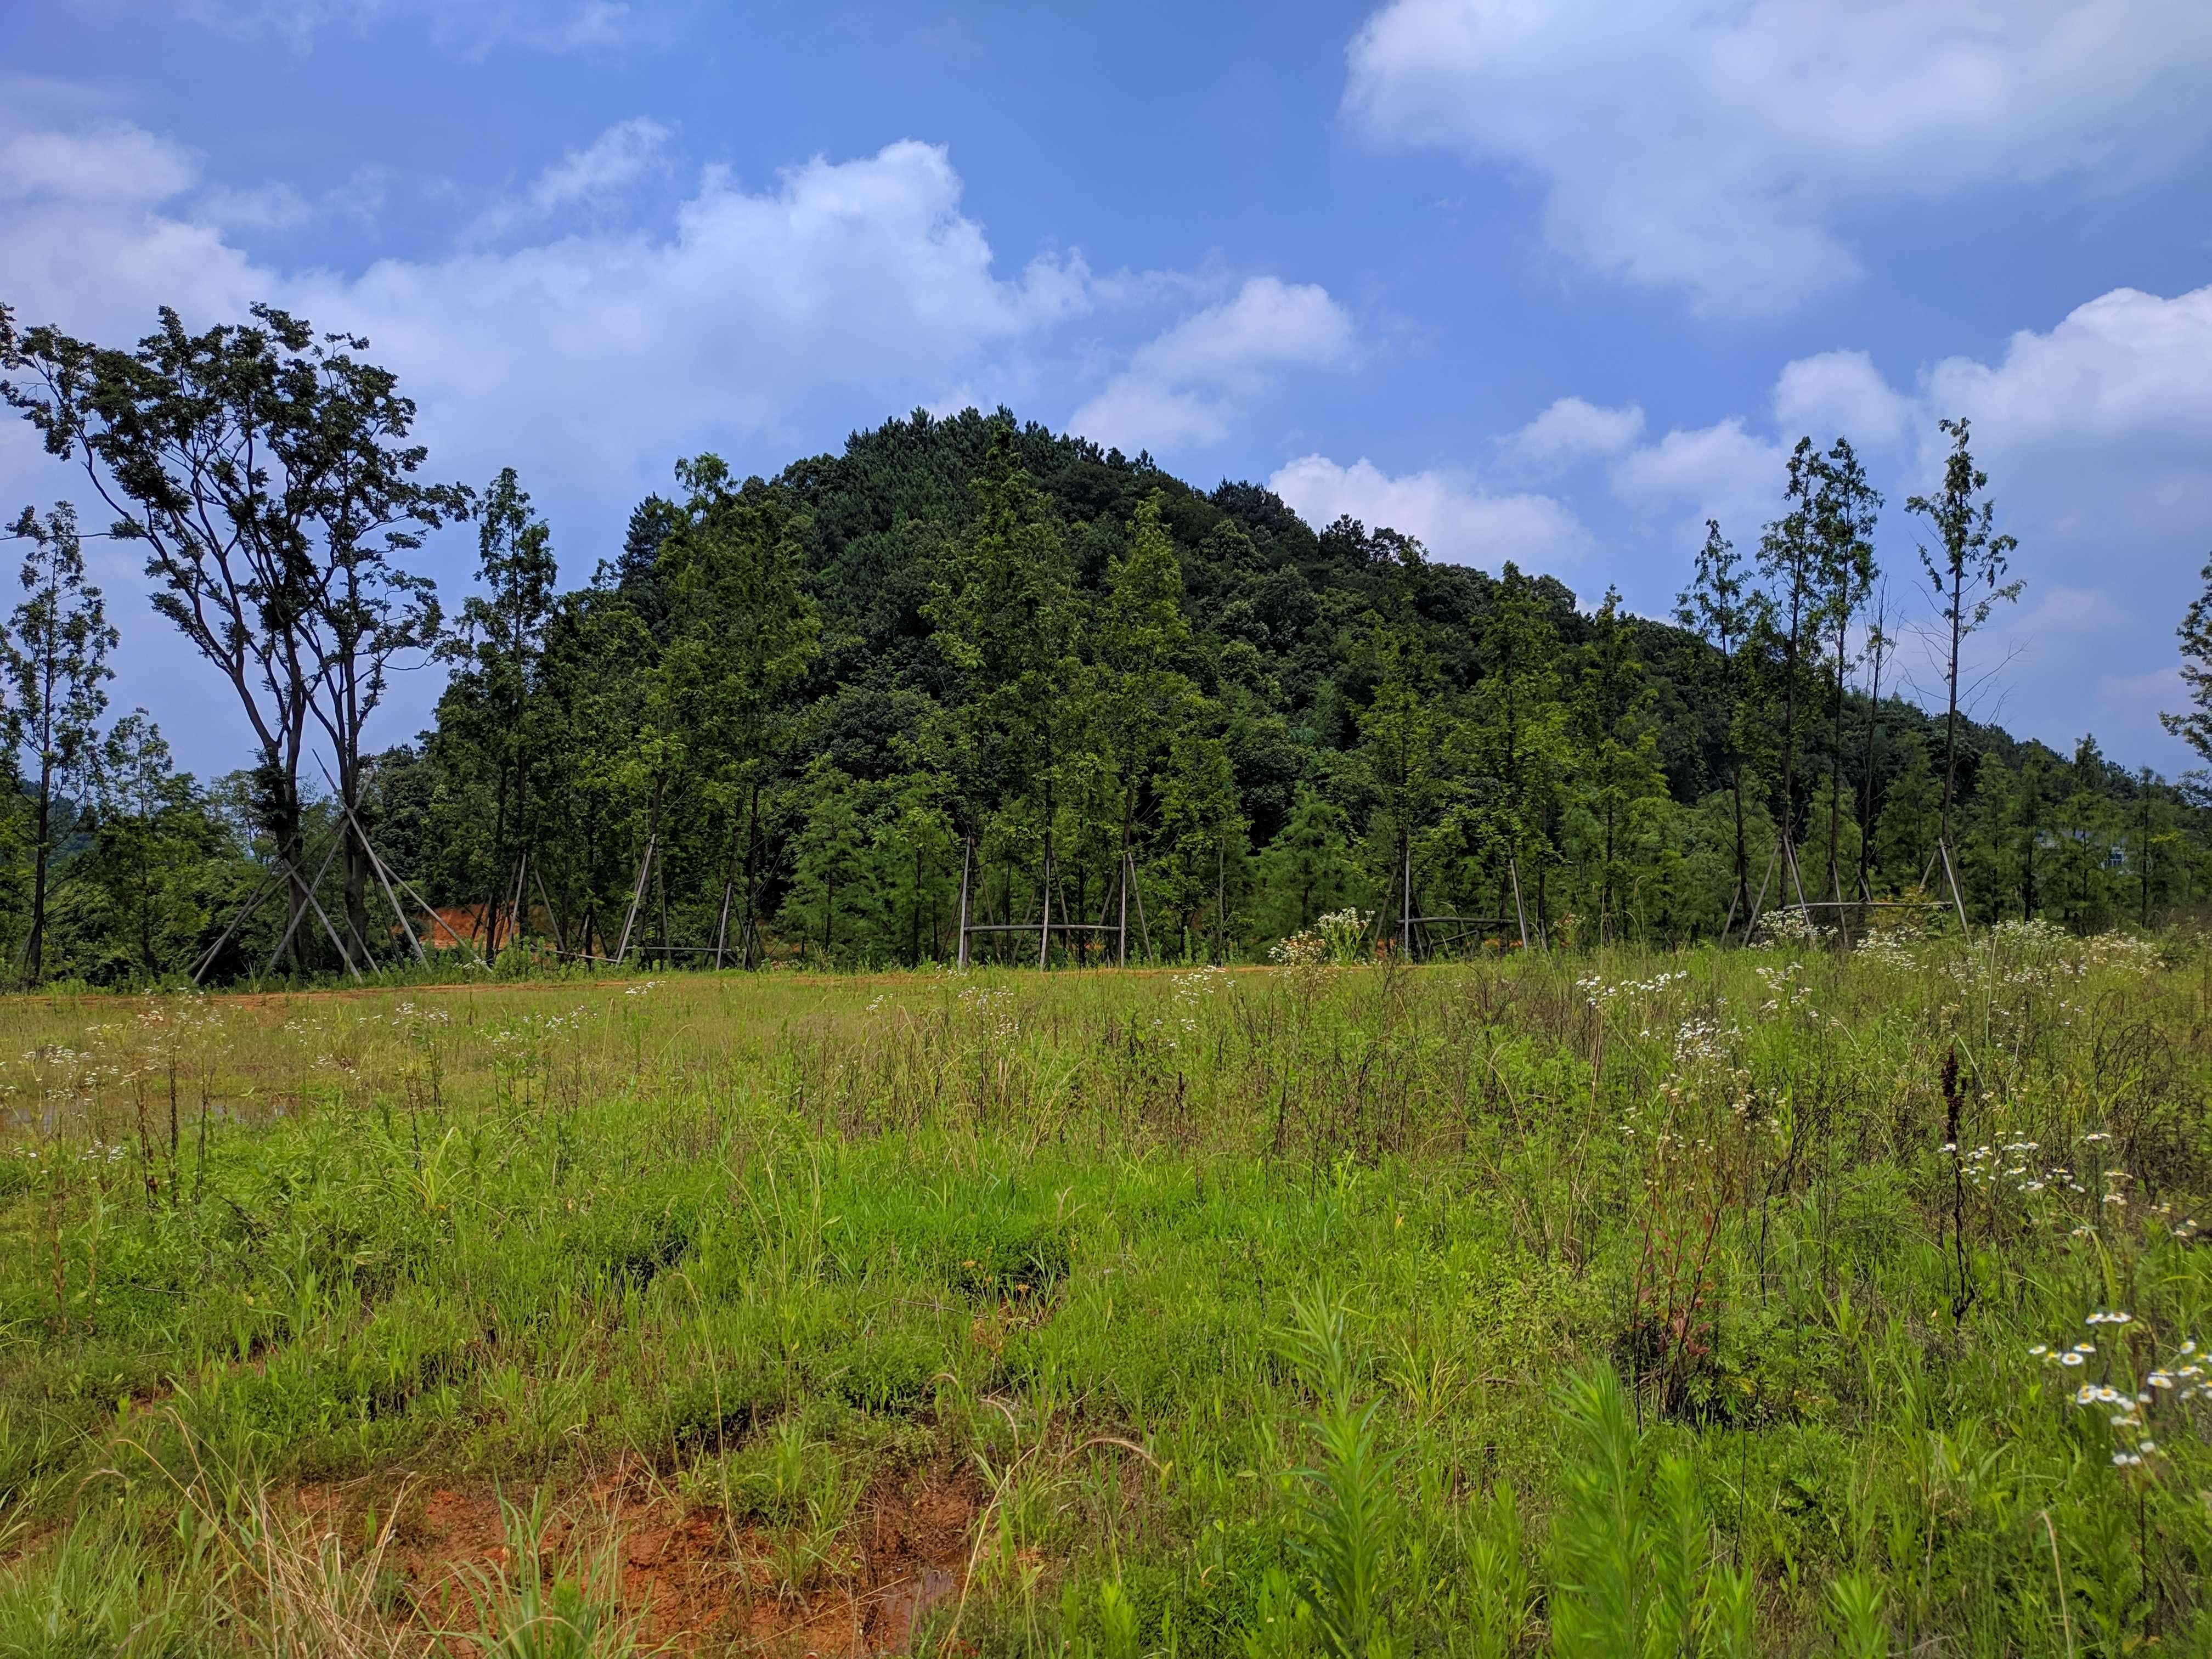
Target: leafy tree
(1306, 872)
(745, 631)
(55, 658)
(1720, 608)
(1619, 748)
(2194, 727)
(1910, 819)
(152, 838)
(490, 717)
(269, 472)
(1845, 506)
(1971, 558)
(1791, 558)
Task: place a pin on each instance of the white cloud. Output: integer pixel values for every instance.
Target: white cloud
(2095, 435)
(1455, 521)
(586, 355)
(1572, 430)
(1722, 148)
(595, 177)
(1189, 386)
(1840, 394)
(752, 319)
(2103, 424)
(1720, 472)
(115, 165)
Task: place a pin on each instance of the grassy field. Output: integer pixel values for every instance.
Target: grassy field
(1729, 1303)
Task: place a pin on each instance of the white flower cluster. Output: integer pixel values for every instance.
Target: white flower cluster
(2183, 1379)
(1599, 993)
(1790, 926)
(993, 1012)
(1701, 1041)
(1343, 930)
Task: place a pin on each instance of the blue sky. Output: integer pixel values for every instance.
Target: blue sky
(1549, 282)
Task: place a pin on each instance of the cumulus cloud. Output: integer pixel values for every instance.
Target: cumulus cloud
(588, 352)
(1722, 150)
(1452, 517)
(2102, 423)
(1571, 431)
(592, 341)
(1841, 393)
(2094, 434)
(1189, 386)
(1720, 472)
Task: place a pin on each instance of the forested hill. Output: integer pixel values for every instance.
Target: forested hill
(808, 693)
(784, 715)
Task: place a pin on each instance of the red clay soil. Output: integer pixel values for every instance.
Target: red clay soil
(694, 1586)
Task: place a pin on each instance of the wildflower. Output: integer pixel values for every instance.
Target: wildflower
(2125, 1459)
(2069, 1359)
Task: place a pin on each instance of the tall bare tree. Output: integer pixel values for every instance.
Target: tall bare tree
(1972, 560)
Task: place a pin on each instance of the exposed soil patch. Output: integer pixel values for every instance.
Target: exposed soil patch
(696, 1584)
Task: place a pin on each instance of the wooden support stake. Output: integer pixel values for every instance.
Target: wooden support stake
(1044, 919)
(253, 903)
(552, 916)
(967, 861)
(1759, 904)
(637, 898)
(293, 925)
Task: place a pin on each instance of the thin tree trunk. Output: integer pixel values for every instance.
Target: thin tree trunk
(35, 952)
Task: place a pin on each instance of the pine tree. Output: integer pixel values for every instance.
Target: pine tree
(1910, 819)
(1404, 737)
(1006, 618)
(743, 632)
(1306, 872)
(151, 837)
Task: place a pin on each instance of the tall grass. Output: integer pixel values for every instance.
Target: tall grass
(1700, 1303)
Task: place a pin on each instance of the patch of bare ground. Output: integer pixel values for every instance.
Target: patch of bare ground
(694, 1581)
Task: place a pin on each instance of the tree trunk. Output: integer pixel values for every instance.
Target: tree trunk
(34, 949)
